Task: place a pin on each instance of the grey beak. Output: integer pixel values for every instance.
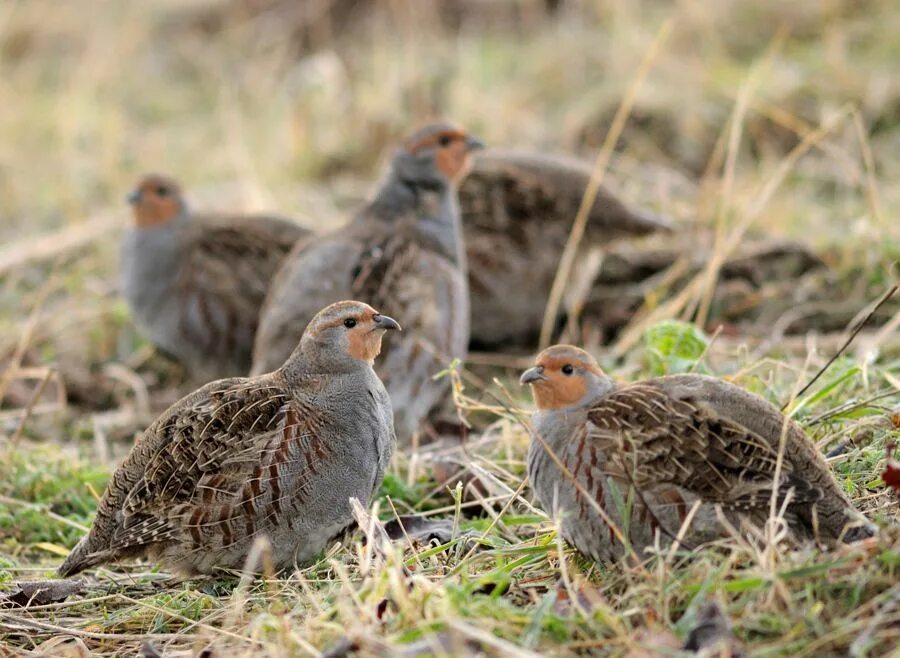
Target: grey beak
(134, 196)
(473, 143)
(384, 322)
(532, 375)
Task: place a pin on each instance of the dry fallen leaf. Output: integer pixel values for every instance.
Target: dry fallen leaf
(891, 475)
(62, 647)
(41, 592)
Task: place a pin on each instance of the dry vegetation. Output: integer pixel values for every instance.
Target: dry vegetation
(783, 118)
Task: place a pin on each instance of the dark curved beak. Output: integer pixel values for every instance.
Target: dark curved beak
(532, 375)
(473, 143)
(134, 196)
(386, 323)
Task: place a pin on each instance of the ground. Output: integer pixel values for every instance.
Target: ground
(783, 118)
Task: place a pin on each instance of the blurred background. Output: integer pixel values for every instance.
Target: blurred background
(261, 103)
(293, 107)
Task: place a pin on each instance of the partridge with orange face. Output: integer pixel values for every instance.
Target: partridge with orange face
(404, 253)
(663, 446)
(195, 283)
(277, 456)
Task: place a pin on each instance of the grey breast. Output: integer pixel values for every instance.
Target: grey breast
(150, 270)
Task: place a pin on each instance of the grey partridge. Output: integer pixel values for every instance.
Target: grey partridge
(195, 283)
(517, 211)
(403, 252)
(656, 448)
(277, 455)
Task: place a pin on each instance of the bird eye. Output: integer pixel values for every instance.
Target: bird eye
(162, 191)
(444, 140)
(349, 323)
(568, 369)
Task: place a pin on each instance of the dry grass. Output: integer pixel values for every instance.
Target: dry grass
(768, 117)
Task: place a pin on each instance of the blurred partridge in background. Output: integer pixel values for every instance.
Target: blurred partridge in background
(517, 210)
(195, 283)
(277, 456)
(402, 253)
(676, 440)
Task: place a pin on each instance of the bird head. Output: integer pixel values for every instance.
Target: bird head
(156, 200)
(436, 155)
(345, 334)
(565, 376)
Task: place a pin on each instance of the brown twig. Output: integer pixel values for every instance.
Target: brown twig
(850, 406)
(29, 409)
(859, 327)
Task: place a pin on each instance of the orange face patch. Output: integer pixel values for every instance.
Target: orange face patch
(364, 341)
(156, 201)
(454, 161)
(452, 156)
(558, 390)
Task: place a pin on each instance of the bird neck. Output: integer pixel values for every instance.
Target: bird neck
(310, 360)
(305, 377)
(432, 206)
(556, 425)
(151, 259)
(164, 235)
(598, 387)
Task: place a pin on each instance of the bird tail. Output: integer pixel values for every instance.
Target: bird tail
(834, 519)
(857, 532)
(825, 514)
(82, 557)
(651, 222)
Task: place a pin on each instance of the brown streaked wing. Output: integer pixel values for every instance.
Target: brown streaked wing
(226, 270)
(661, 440)
(381, 268)
(529, 186)
(204, 453)
(234, 262)
(276, 482)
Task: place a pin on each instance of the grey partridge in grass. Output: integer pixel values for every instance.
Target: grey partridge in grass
(195, 283)
(277, 455)
(403, 252)
(651, 450)
(517, 211)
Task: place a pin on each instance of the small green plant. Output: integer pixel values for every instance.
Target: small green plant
(673, 347)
